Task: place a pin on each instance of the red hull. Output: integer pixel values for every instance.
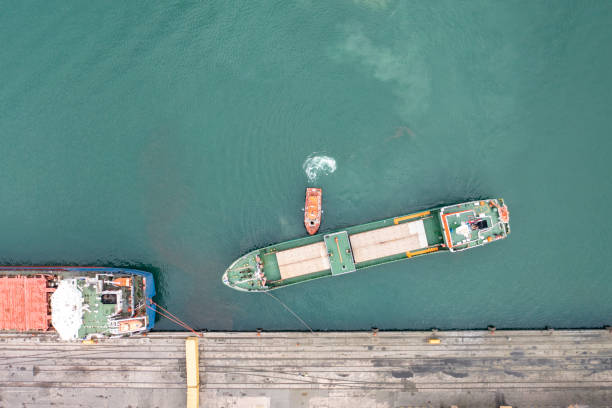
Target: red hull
(312, 210)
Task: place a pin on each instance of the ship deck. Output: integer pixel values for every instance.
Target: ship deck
(458, 224)
(302, 260)
(331, 369)
(24, 303)
(366, 245)
(95, 316)
(454, 227)
(357, 247)
(389, 241)
(338, 247)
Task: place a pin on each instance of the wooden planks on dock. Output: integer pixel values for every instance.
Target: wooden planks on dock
(38, 371)
(402, 368)
(333, 369)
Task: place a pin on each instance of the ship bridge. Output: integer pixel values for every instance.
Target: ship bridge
(472, 224)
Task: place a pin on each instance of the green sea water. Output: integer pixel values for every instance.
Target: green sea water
(176, 136)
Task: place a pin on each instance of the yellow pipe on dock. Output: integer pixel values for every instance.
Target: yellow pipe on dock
(421, 252)
(408, 217)
(192, 364)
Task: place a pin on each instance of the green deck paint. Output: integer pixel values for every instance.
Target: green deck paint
(452, 227)
(339, 248)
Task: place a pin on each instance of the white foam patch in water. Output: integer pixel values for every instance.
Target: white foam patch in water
(316, 166)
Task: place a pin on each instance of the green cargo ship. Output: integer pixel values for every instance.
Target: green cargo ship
(450, 228)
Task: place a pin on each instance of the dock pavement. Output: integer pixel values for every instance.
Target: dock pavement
(549, 368)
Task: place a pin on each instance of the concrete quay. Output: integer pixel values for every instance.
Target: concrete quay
(328, 369)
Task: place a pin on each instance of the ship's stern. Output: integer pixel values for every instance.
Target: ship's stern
(149, 292)
(474, 223)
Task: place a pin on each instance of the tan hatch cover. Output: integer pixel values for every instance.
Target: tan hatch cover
(388, 241)
(302, 260)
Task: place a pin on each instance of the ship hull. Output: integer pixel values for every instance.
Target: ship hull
(367, 245)
(122, 279)
(313, 210)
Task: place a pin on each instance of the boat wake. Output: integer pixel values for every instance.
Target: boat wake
(316, 166)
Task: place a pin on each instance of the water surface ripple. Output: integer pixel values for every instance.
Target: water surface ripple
(173, 137)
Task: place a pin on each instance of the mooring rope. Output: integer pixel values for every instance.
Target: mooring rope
(290, 311)
(171, 317)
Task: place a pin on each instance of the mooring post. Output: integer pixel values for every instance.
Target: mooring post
(434, 339)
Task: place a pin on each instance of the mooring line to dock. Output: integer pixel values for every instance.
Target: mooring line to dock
(170, 316)
(290, 311)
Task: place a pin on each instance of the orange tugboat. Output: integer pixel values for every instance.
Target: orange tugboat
(312, 210)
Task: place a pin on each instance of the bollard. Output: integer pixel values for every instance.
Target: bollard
(434, 339)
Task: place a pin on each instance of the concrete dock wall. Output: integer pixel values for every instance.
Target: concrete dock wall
(334, 369)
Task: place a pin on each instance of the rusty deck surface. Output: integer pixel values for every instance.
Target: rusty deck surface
(347, 369)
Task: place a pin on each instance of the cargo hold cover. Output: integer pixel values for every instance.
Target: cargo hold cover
(302, 260)
(388, 241)
(23, 303)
